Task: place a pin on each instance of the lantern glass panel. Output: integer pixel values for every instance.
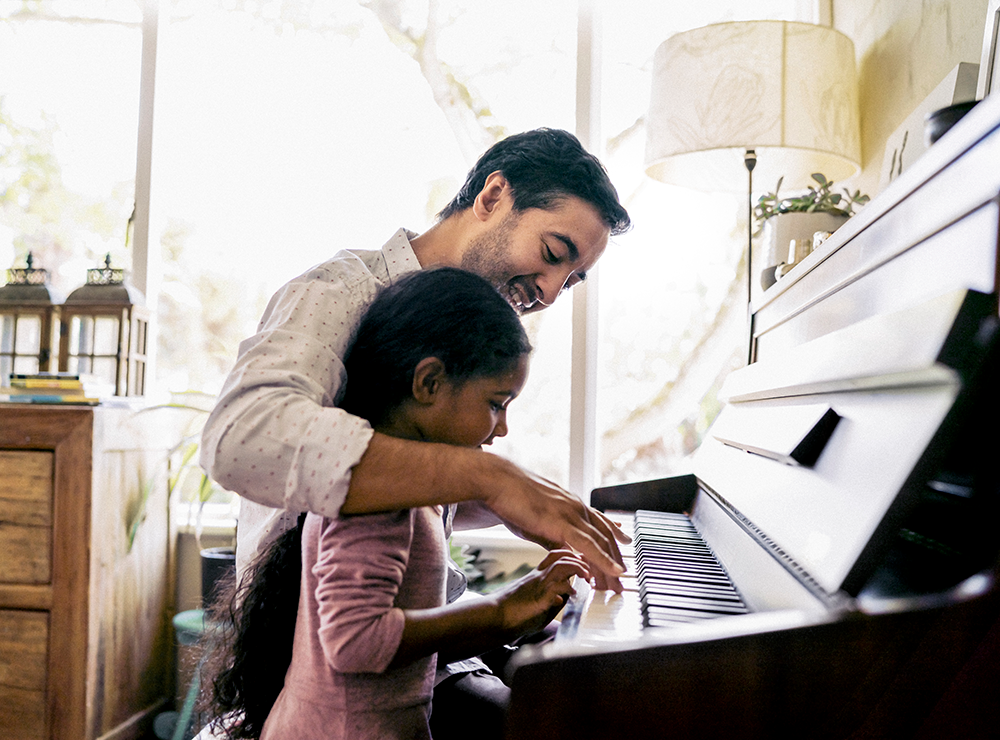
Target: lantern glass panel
(81, 336)
(106, 368)
(29, 335)
(7, 334)
(105, 335)
(26, 364)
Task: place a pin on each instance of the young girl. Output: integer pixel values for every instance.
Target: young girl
(438, 357)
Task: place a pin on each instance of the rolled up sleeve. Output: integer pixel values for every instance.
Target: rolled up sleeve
(274, 436)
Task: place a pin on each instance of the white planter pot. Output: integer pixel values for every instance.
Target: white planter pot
(780, 230)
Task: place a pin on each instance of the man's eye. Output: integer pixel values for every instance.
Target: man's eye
(550, 257)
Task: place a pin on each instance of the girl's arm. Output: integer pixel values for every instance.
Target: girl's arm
(468, 628)
(474, 515)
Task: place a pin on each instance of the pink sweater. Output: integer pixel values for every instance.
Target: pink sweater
(358, 573)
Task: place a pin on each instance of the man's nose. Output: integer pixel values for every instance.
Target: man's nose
(549, 286)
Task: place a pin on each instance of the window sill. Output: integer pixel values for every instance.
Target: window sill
(500, 551)
(216, 519)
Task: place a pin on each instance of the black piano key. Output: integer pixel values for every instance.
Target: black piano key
(668, 531)
(673, 587)
(670, 620)
(648, 515)
(699, 605)
(685, 577)
(667, 553)
(668, 613)
(708, 570)
(703, 603)
(678, 547)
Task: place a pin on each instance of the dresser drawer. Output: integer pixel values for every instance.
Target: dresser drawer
(26, 516)
(24, 637)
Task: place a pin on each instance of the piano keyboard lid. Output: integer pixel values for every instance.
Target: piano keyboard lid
(822, 451)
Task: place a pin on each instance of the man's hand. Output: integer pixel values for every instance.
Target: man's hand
(400, 473)
(539, 510)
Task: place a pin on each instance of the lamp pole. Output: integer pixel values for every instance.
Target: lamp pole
(750, 160)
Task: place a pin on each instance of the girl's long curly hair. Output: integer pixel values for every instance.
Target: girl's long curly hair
(444, 312)
(250, 639)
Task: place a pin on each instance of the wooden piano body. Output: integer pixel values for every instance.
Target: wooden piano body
(867, 550)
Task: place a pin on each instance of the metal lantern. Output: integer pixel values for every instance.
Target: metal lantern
(28, 315)
(104, 331)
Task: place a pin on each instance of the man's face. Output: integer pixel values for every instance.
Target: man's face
(533, 255)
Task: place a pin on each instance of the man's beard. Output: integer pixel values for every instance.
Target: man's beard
(488, 257)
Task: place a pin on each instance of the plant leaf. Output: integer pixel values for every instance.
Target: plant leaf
(205, 488)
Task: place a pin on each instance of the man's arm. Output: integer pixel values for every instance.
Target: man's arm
(276, 439)
(397, 473)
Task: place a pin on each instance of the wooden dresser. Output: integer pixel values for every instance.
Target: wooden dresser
(85, 578)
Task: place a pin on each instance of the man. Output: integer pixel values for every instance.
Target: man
(533, 216)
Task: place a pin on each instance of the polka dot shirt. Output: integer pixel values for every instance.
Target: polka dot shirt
(275, 436)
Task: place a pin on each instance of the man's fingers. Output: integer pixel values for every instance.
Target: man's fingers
(604, 582)
(595, 554)
(613, 529)
(616, 530)
(546, 513)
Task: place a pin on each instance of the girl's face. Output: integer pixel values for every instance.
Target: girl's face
(474, 412)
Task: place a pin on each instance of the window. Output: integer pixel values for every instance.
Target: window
(286, 130)
(69, 101)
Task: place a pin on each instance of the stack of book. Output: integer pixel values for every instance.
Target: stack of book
(58, 388)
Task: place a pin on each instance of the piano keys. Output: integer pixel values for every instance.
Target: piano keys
(672, 577)
(829, 567)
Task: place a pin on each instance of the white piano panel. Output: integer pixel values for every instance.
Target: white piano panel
(823, 517)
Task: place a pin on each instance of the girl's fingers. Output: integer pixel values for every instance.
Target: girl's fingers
(553, 556)
(567, 567)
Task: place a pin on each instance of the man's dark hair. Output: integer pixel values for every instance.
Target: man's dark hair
(544, 166)
(444, 312)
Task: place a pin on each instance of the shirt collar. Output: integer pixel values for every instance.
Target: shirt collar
(398, 254)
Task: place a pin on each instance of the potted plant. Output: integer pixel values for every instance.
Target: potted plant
(782, 219)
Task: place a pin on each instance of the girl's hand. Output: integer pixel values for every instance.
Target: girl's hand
(531, 602)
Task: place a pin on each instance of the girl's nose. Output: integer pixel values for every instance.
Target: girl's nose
(500, 430)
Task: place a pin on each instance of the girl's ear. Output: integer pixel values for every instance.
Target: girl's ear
(428, 377)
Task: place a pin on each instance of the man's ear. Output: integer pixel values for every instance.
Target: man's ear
(490, 197)
(427, 379)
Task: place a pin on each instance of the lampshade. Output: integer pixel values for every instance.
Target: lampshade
(787, 90)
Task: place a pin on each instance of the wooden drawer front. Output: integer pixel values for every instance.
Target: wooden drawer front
(24, 638)
(26, 516)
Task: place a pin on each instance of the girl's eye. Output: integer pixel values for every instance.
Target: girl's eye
(497, 407)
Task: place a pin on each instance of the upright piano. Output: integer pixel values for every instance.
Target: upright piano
(829, 568)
